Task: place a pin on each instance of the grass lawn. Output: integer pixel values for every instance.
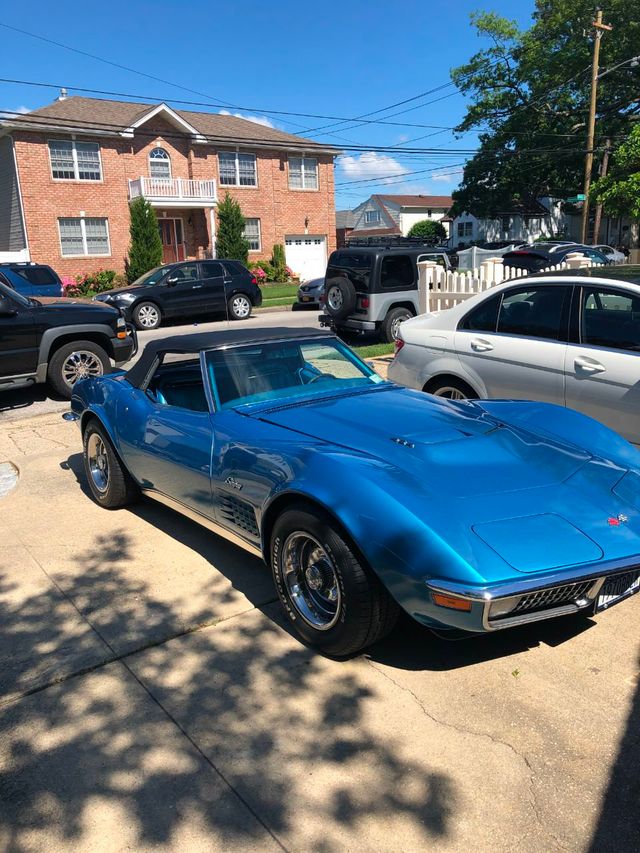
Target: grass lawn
(278, 291)
(374, 350)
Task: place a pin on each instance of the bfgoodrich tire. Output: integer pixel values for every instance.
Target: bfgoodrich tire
(111, 484)
(74, 361)
(333, 601)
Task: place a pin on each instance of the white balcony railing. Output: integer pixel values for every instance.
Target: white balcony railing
(172, 189)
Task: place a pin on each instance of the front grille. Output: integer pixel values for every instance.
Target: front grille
(557, 596)
(239, 513)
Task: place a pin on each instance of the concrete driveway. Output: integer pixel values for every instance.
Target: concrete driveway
(152, 699)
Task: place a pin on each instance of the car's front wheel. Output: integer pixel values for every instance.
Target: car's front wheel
(239, 307)
(111, 484)
(332, 599)
(75, 361)
(147, 316)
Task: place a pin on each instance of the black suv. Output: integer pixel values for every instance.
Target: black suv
(374, 289)
(58, 340)
(187, 289)
(539, 256)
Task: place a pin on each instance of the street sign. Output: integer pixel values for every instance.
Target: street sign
(574, 198)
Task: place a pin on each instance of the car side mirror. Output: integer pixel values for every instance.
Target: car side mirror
(173, 280)
(7, 307)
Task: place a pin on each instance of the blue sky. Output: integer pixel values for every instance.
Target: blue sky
(336, 59)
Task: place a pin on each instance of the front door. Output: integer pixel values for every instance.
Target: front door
(603, 369)
(182, 296)
(172, 240)
(18, 343)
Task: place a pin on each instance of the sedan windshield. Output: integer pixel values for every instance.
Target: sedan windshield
(151, 277)
(284, 370)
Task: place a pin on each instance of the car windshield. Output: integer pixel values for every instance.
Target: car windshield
(278, 370)
(151, 277)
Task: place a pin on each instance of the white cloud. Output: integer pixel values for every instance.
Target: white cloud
(446, 178)
(370, 164)
(11, 112)
(263, 120)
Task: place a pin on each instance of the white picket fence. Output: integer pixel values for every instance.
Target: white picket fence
(439, 288)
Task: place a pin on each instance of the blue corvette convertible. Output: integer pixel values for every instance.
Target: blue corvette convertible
(363, 496)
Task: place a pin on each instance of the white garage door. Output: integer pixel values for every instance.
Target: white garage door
(306, 255)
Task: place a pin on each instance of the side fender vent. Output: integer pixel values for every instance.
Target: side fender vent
(239, 514)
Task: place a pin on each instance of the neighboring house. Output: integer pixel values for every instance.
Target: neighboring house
(521, 222)
(69, 170)
(395, 214)
(344, 226)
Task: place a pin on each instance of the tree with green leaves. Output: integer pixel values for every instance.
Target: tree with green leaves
(145, 249)
(428, 229)
(529, 99)
(619, 190)
(230, 240)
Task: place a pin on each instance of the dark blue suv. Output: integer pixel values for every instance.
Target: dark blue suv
(31, 279)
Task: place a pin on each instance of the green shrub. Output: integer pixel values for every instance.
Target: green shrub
(279, 264)
(145, 249)
(230, 241)
(428, 229)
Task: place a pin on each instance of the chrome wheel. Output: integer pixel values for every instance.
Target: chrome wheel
(98, 462)
(334, 298)
(79, 365)
(241, 307)
(450, 393)
(311, 581)
(395, 326)
(148, 316)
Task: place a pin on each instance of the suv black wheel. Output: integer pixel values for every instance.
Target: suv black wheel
(390, 324)
(239, 307)
(340, 298)
(74, 361)
(147, 315)
(110, 483)
(332, 599)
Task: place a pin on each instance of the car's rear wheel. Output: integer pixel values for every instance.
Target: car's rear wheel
(147, 316)
(391, 323)
(332, 599)
(75, 361)
(450, 388)
(111, 484)
(239, 307)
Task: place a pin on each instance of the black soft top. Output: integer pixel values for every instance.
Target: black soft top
(212, 340)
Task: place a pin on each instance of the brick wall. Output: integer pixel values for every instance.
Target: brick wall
(281, 211)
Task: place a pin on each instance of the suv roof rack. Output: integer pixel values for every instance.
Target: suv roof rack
(392, 242)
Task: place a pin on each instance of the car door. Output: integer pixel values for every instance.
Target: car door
(182, 290)
(213, 276)
(18, 338)
(602, 365)
(516, 342)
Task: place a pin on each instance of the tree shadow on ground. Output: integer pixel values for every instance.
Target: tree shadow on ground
(264, 711)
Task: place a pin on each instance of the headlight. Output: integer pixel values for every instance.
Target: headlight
(121, 323)
(125, 297)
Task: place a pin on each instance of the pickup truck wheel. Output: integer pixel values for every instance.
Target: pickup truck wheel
(239, 307)
(74, 361)
(147, 315)
(111, 485)
(391, 323)
(333, 601)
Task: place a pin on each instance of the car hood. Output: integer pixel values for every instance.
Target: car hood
(64, 303)
(481, 485)
(137, 288)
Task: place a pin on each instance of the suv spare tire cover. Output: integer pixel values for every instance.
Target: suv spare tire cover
(340, 297)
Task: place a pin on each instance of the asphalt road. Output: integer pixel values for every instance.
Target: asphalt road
(37, 400)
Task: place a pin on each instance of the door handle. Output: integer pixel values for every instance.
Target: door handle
(480, 345)
(588, 365)
(196, 287)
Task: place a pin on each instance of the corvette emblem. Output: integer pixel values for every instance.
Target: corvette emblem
(616, 521)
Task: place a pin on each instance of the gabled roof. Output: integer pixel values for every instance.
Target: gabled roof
(374, 232)
(345, 219)
(426, 201)
(104, 117)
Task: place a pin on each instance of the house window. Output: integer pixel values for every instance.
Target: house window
(465, 229)
(252, 234)
(75, 161)
(84, 236)
(303, 173)
(159, 164)
(371, 216)
(237, 170)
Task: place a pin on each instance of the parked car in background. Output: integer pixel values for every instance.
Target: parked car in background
(615, 256)
(540, 256)
(373, 289)
(187, 289)
(469, 516)
(309, 294)
(58, 340)
(31, 279)
(570, 337)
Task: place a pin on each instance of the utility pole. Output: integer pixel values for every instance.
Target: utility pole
(599, 28)
(603, 171)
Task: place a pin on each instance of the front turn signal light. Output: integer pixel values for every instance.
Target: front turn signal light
(451, 601)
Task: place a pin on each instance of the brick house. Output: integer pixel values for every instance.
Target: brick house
(393, 215)
(68, 172)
